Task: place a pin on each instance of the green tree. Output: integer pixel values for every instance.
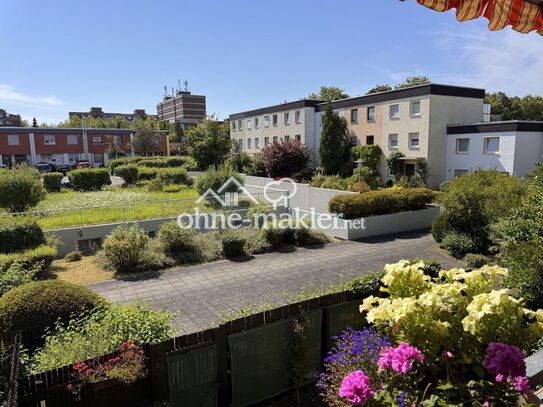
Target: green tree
(379, 88)
(334, 146)
(144, 141)
(329, 93)
(413, 81)
(529, 107)
(395, 163)
(209, 143)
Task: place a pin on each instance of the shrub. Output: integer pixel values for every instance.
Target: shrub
(395, 163)
(360, 187)
(19, 233)
(369, 154)
(33, 308)
(153, 163)
(100, 332)
(474, 260)
(89, 179)
(127, 172)
(125, 246)
(380, 202)
(309, 237)
(174, 176)
(330, 182)
(154, 186)
(233, 244)
(16, 275)
(257, 214)
(215, 177)
(39, 257)
(285, 159)
(440, 227)
(52, 180)
(368, 284)
(174, 239)
(277, 236)
(148, 174)
(458, 244)
(75, 255)
(257, 167)
(368, 176)
(172, 188)
(20, 189)
(241, 162)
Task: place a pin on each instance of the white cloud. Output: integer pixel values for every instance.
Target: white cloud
(8, 94)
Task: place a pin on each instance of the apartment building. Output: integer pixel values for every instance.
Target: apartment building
(411, 120)
(8, 119)
(508, 146)
(60, 146)
(97, 112)
(183, 108)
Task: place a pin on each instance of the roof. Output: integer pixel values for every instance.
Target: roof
(496, 127)
(298, 104)
(61, 130)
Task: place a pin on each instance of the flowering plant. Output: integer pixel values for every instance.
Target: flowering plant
(127, 367)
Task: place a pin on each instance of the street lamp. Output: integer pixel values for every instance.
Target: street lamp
(358, 167)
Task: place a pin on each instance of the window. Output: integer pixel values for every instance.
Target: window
(73, 158)
(415, 109)
(287, 118)
(96, 139)
(117, 139)
(395, 111)
(354, 140)
(298, 117)
(156, 140)
(414, 140)
(275, 139)
(297, 137)
(322, 120)
(98, 158)
(47, 157)
(256, 122)
(233, 125)
(72, 139)
(240, 143)
(266, 121)
(257, 143)
(492, 145)
(274, 120)
(49, 140)
(287, 138)
(371, 113)
(393, 141)
(459, 173)
(249, 144)
(13, 140)
(249, 124)
(354, 116)
(370, 140)
(266, 141)
(462, 145)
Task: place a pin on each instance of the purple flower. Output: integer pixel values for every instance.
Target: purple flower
(503, 359)
(356, 388)
(400, 359)
(520, 383)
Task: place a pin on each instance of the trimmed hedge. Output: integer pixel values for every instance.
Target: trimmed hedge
(127, 172)
(380, 202)
(153, 162)
(233, 244)
(18, 233)
(51, 181)
(36, 307)
(41, 257)
(174, 176)
(89, 179)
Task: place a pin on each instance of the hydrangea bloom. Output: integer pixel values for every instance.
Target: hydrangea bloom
(520, 383)
(503, 359)
(401, 358)
(356, 388)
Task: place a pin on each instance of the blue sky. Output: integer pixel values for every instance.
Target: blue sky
(63, 55)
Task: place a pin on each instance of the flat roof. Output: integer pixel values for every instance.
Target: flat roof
(61, 130)
(496, 127)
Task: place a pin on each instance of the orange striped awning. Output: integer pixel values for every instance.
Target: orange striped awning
(523, 16)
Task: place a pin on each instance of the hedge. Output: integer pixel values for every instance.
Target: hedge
(52, 180)
(127, 172)
(89, 179)
(153, 162)
(380, 202)
(165, 175)
(19, 233)
(41, 256)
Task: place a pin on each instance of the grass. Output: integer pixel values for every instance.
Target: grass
(82, 272)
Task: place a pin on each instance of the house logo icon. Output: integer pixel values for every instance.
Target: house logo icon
(227, 199)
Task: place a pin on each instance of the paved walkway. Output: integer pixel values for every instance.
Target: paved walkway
(201, 294)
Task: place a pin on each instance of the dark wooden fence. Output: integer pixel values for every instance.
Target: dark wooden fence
(196, 369)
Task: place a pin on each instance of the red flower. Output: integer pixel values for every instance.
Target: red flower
(70, 386)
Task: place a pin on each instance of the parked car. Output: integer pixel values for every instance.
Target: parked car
(64, 169)
(83, 164)
(43, 167)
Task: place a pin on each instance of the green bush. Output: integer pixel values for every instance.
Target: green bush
(19, 233)
(331, 182)
(475, 261)
(457, 244)
(117, 162)
(148, 174)
(35, 307)
(89, 179)
(367, 285)
(380, 202)
(154, 186)
(39, 258)
(257, 214)
(172, 188)
(125, 247)
(20, 189)
(215, 177)
(440, 227)
(233, 244)
(101, 332)
(368, 176)
(309, 237)
(51, 181)
(174, 239)
(127, 172)
(174, 176)
(73, 256)
(17, 275)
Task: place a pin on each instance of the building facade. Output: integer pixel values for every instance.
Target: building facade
(510, 146)
(61, 146)
(97, 112)
(184, 108)
(412, 121)
(9, 120)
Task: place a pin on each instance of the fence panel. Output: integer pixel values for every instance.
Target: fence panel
(341, 316)
(260, 359)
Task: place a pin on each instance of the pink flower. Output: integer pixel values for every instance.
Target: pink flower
(400, 359)
(356, 388)
(447, 354)
(520, 383)
(504, 359)
(499, 378)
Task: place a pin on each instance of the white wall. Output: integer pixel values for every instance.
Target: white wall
(528, 152)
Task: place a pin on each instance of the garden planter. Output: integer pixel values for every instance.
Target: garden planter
(103, 384)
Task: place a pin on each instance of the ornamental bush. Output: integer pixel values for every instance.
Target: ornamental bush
(20, 189)
(39, 258)
(215, 177)
(233, 244)
(52, 180)
(380, 202)
(89, 179)
(174, 239)
(127, 172)
(286, 158)
(35, 307)
(18, 233)
(16, 275)
(174, 176)
(125, 247)
(458, 244)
